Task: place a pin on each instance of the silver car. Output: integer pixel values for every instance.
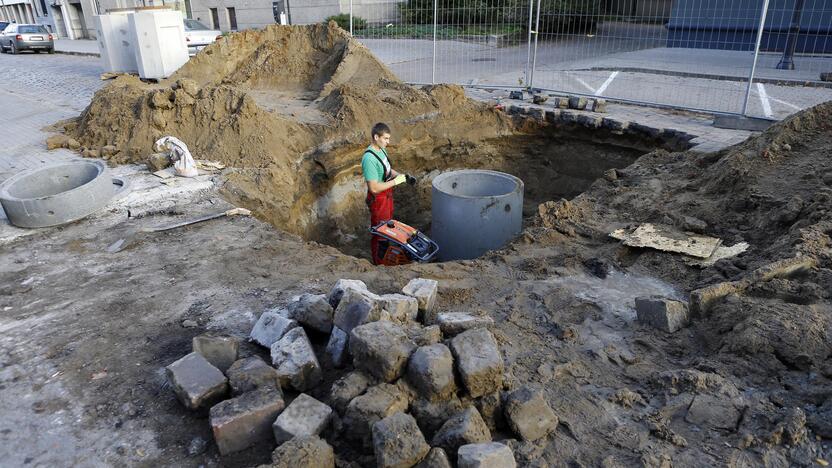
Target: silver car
(18, 37)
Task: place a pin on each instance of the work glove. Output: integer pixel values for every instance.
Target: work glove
(411, 180)
(400, 179)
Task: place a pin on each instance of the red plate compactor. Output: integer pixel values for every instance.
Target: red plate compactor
(403, 244)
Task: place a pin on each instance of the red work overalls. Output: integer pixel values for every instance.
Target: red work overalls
(381, 209)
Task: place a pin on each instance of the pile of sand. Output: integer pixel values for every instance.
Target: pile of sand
(290, 109)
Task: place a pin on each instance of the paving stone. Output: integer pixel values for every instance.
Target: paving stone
(196, 382)
(250, 374)
(577, 102)
(270, 327)
(423, 336)
(424, 290)
(436, 458)
(454, 323)
(381, 349)
(662, 313)
(614, 125)
(313, 311)
(337, 347)
(220, 351)
(431, 370)
(590, 121)
(375, 404)
(403, 309)
(341, 286)
(489, 455)
(246, 420)
(304, 452)
(709, 411)
(431, 415)
(478, 360)
(529, 415)
(599, 105)
(398, 442)
(295, 361)
(346, 388)
(537, 113)
(464, 428)
(539, 98)
(490, 407)
(357, 308)
(305, 416)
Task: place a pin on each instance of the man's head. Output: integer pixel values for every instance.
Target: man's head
(381, 135)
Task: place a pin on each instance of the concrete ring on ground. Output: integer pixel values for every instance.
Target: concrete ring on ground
(58, 194)
(474, 211)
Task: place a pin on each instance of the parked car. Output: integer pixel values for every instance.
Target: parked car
(198, 36)
(19, 37)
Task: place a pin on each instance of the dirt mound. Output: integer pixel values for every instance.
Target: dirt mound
(773, 191)
(289, 109)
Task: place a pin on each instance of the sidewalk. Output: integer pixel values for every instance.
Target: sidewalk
(77, 47)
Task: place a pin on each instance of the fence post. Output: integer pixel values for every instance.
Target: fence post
(526, 76)
(534, 54)
(350, 17)
(756, 55)
(435, 23)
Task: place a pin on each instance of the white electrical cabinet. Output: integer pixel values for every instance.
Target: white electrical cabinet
(116, 43)
(160, 48)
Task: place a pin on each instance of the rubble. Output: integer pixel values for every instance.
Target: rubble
(424, 336)
(313, 311)
(529, 415)
(250, 374)
(375, 404)
(489, 455)
(305, 416)
(220, 351)
(346, 388)
(479, 361)
(403, 309)
(424, 290)
(464, 428)
(436, 458)
(246, 420)
(271, 327)
(398, 442)
(295, 361)
(454, 323)
(431, 371)
(381, 349)
(341, 287)
(431, 415)
(337, 348)
(196, 382)
(304, 452)
(490, 407)
(662, 313)
(357, 308)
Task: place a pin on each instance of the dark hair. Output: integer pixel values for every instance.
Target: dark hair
(380, 129)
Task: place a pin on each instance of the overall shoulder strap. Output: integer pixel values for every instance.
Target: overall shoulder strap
(387, 167)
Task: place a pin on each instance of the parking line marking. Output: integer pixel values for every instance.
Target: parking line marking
(761, 89)
(788, 104)
(606, 83)
(584, 83)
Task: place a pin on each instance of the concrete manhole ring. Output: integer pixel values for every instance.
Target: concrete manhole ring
(58, 194)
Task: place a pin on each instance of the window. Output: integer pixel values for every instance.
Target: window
(232, 18)
(32, 30)
(215, 18)
(43, 8)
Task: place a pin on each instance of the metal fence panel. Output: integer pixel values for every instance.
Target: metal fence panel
(689, 54)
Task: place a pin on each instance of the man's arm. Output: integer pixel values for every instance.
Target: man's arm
(376, 186)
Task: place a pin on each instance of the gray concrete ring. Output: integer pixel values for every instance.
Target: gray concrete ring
(58, 194)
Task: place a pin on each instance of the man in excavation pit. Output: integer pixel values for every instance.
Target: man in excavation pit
(380, 178)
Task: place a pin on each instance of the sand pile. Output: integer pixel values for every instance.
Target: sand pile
(289, 108)
(773, 191)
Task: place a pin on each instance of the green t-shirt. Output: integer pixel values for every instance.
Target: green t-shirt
(370, 165)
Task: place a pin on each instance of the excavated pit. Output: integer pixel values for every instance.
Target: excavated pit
(551, 166)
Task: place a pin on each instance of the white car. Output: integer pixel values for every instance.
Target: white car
(198, 36)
